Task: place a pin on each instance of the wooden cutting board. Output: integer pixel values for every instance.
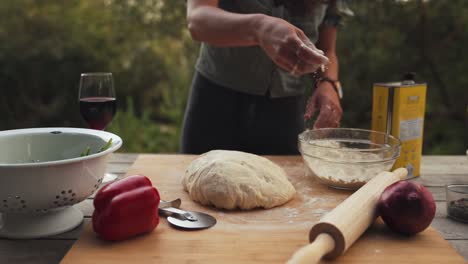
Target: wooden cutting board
(259, 236)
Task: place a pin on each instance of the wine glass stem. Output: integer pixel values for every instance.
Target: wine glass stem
(108, 177)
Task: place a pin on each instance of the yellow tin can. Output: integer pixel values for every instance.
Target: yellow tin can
(398, 109)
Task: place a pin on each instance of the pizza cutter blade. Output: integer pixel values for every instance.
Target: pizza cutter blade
(187, 219)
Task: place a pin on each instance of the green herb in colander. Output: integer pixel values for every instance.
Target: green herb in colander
(87, 151)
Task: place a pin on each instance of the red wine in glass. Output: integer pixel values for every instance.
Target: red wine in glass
(97, 99)
(97, 111)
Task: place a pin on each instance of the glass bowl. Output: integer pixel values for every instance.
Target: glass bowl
(457, 202)
(347, 158)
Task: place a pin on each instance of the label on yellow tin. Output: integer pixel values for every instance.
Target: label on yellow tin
(411, 129)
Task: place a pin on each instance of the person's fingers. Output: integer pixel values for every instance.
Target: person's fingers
(298, 69)
(311, 45)
(286, 58)
(322, 120)
(284, 64)
(311, 56)
(330, 116)
(321, 51)
(335, 118)
(309, 68)
(303, 49)
(301, 68)
(327, 121)
(303, 37)
(308, 52)
(310, 108)
(289, 61)
(296, 57)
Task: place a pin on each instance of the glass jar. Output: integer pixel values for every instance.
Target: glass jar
(457, 202)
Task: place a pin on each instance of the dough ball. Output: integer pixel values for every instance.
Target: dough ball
(234, 179)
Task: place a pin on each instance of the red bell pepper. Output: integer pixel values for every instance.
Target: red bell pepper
(126, 208)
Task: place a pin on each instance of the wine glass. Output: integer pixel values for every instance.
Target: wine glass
(98, 103)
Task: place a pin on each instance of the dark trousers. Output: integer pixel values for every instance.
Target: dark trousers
(220, 118)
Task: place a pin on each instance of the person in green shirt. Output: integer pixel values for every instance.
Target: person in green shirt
(248, 89)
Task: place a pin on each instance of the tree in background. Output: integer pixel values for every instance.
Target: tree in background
(45, 45)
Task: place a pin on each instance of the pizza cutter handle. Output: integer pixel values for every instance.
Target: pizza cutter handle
(174, 203)
(181, 214)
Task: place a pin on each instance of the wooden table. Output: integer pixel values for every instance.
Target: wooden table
(437, 172)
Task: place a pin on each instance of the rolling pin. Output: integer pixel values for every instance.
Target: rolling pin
(342, 226)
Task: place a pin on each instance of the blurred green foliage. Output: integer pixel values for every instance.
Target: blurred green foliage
(386, 39)
(45, 45)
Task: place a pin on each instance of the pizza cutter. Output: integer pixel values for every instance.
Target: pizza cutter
(189, 220)
(174, 203)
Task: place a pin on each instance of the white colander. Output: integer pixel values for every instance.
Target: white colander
(42, 175)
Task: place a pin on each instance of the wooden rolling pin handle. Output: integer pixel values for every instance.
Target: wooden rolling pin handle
(313, 252)
(331, 230)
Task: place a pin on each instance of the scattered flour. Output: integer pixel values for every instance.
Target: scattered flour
(320, 211)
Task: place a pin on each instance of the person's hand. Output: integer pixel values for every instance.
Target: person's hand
(288, 46)
(326, 101)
